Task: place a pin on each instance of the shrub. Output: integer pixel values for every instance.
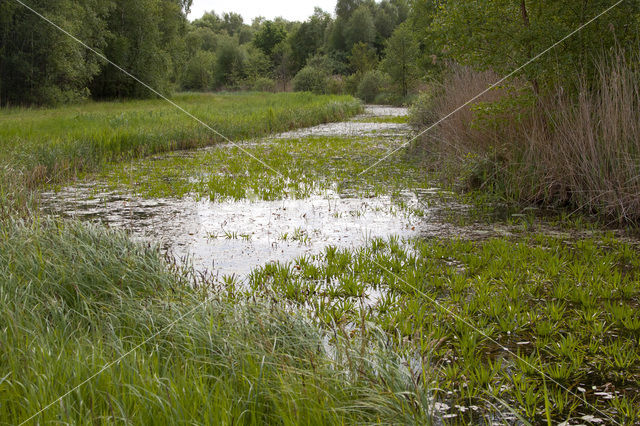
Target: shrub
(336, 85)
(263, 84)
(372, 84)
(388, 98)
(311, 79)
(351, 84)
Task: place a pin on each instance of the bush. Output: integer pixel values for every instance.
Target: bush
(351, 84)
(372, 84)
(336, 85)
(263, 84)
(388, 98)
(311, 79)
(422, 111)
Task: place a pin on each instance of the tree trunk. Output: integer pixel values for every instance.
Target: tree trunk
(527, 24)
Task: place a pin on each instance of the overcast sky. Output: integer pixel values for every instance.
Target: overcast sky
(293, 10)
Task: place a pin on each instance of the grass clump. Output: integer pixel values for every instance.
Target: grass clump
(76, 297)
(569, 309)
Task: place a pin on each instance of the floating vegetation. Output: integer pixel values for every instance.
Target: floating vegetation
(568, 309)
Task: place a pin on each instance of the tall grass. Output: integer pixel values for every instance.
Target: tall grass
(75, 297)
(53, 144)
(587, 152)
(579, 151)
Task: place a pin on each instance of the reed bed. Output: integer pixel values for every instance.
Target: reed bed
(578, 151)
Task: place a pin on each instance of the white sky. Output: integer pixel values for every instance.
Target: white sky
(293, 10)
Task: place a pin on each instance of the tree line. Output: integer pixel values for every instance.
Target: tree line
(41, 65)
(378, 50)
(327, 53)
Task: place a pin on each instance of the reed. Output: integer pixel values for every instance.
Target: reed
(580, 151)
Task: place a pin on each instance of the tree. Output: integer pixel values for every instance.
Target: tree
(257, 64)
(308, 39)
(282, 58)
(363, 58)
(360, 28)
(344, 8)
(504, 34)
(144, 38)
(200, 38)
(209, 20)
(421, 19)
(400, 59)
(269, 35)
(41, 65)
(199, 71)
(230, 62)
(232, 23)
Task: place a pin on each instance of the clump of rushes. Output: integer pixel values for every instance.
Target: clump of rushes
(568, 309)
(76, 297)
(49, 145)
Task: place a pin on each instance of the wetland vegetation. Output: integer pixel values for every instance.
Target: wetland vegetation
(49, 145)
(151, 272)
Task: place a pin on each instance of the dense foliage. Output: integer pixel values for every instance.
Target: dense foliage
(563, 131)
(504, 34)
(409, 40)
(39, 64)
(153, 40)
(315, 55)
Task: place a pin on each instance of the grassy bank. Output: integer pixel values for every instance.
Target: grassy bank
(75, 298)
(576, 151)
(568, 309)
(45, 145)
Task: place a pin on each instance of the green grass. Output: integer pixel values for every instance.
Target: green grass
(570, 309)
(75, 298)
(332, 338)
(54, 144)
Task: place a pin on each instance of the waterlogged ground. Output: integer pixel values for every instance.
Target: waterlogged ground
(479, 309)
(226, 213)
(233, 237)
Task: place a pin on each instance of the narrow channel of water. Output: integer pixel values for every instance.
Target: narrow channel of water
(233, 237)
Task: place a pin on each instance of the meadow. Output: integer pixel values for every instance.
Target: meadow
(55, 144)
